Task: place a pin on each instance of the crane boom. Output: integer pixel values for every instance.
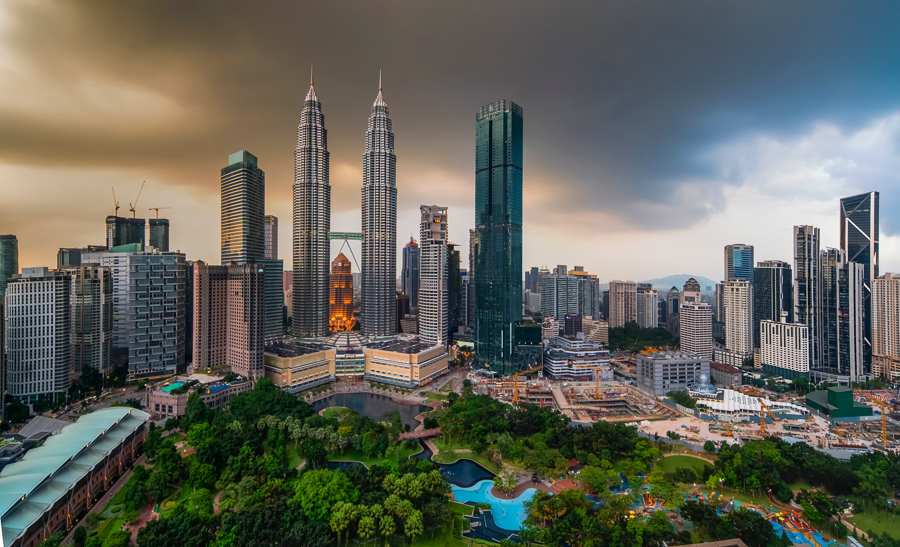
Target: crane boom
(516, 382)
(763, 408)
(130, 206)
(883, 417)
(115, 200)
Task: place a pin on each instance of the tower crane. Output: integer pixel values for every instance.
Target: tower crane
(157, 210)
(516, 382)
(115, 200)
(130, 206)
(763, 408)
(884, 411)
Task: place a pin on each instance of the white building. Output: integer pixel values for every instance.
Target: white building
(38, 329)
(549, 328)
(739, 317)
(733, 406)
(784, 348)
(532, 300)
(647, 306)
(573, 357)
(661, 372)
(559, 295)
(696, 329)
(433, 256)
(622, 303)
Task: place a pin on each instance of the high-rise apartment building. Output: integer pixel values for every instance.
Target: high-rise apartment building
(807, 287)
(9, 259)
(859, 239)
(773, 294)
(739, 316)
(696, 329)
(341, 295)
(312, 222)
(38, 329)
(886, 315)
(498, 221)
(159, 234)
(409, 274)
(559, 295)
(673, 303)
(739, 262)
(124, 231)
(433, 272)
(91, 320)
(270, 237)
(841, 357)
(379, 224)
(647, 306)
(210, 311)
(243, 208)
(784, 348)
(622, 303)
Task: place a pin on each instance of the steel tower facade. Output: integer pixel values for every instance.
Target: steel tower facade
(312, 222)
(498, 241)
(379, 225)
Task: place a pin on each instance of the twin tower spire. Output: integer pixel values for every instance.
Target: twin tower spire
(312, 223)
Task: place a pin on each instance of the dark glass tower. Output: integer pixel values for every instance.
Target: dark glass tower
(409, 274)
(243, 209)
(859, 239)
(773, 294)
(9, 261)
(739, 262)
(498, 238)
(159, 234)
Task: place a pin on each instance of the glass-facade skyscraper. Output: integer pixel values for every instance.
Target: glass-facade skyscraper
(243, 209)
(159, 234)
(9, 261)
(859, 239)
(498, 237)
(739, 262)
(409, 274)
(773, 294)
(808, 287)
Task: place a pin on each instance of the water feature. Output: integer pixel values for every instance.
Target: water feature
(170, 387)
(464, 473)
(373, 406)
(508, 514)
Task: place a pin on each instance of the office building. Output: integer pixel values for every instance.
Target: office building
(696, 329)
(159, 234)
(574, 358)
(91, 320)
(467, 307)
(341, 295)
(38, 330)
(71, 258)
(559, 295)
(402, 304)
(210, 312)
(659, 372)
(572, 325)
(719, 303)
(673, 303)
(807, 287)
(724, 375)
(842, 354)
(773, 294)
(433, 271)
(498, 223)
(454, 288)
(622, 303)
(588, 292)
(9, 259)
(312, 222)
(739, 317)
(533, 301)
(738, 262)
(531, 280)
(270, 237)
(379, 224)
(2, 360)
(409, 273)
(243, 209)
(125, 231)
(273, 328)
(690, 293)
(860, 240)
(886, 316)
(647, 306)
(529, 351)
(784, 348)
(473, 241)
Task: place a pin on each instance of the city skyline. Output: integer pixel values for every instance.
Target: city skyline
(740, 170)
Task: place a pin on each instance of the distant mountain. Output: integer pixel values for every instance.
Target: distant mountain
(666, 283)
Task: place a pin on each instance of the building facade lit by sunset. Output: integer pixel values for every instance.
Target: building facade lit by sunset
(341, 312)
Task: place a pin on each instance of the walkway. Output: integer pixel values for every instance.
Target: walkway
(555, 488)
(690, 455)
(420, 434)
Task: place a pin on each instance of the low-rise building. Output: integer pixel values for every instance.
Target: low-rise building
(59, 481)
(659, 372)
(408, 363)
(725, 375)
(573, 357)
(295, 365)
(167, 400)
(837, 402)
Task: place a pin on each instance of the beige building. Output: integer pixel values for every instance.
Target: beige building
(696, 329)
(739, 317)
(886, 367)
(622, 303)
(161, 402)
(410, 363)
(886, 321)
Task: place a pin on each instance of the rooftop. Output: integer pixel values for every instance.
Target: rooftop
(724, 368)
(290, 349)
(402, 346)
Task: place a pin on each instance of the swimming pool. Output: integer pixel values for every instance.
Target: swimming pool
(508, 514)
(174, 385)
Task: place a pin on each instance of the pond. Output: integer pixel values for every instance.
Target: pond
(373, 406)
(464, 473)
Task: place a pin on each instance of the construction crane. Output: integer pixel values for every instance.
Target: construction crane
(516, 382)
(884, 412)
(115, 200)
(763, 408)
(130, 206)
(157, 210)
(597, 381)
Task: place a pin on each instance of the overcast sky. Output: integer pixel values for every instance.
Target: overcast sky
(655, 132)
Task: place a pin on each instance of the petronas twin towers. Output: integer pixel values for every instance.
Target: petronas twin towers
(312, 223)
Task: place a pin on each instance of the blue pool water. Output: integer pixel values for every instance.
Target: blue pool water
(508, 514)
(174, 385)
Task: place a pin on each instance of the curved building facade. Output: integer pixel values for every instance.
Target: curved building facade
(312, 222)
(341, 317)
(379, 225)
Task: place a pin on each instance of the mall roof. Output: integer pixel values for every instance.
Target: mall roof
(46, 473)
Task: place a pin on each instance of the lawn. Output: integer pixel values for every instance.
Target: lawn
(430, 395)
(670, 463)
(446, 454)
(879, 522)
(461, 508)
(351, 454)
(800, 485)
(294, 459)
(336, 412)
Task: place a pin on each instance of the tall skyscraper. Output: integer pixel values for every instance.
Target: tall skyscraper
(210, 313)
(559, 296)
(807, 287)
(773, 294)
(648, 306)
(859, 239)
(409, 274)
(886, 315)
(246, 319)
(498, 222)
(379, 224)
(124, 231)
(92, 325)
(841, 353)
(622, 303)
(243, 209)
(696, 329)
(739, 316)
(341, 295)
(159, 234)
(673, 304)
(270, 237)
(312, 222)
(433, 272)
(9, 260)
(454, 288)
(739, 262)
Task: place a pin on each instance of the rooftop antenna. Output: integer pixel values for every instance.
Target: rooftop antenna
(130, 206)
(115, 200)
(379, 79)
(310, 74)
